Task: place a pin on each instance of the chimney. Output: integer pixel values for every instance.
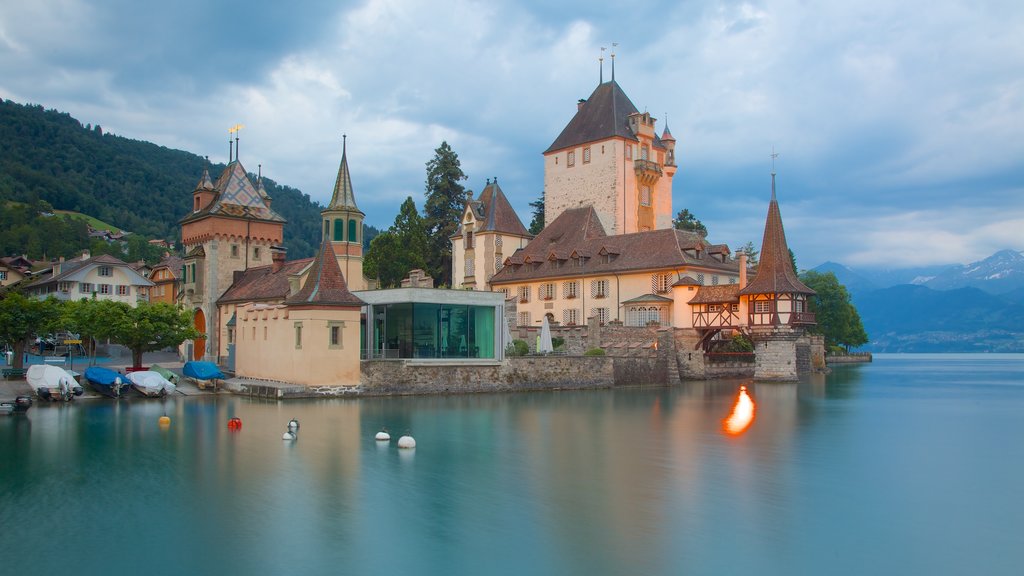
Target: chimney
(57, 267)
(743, 270)
(277, 257)
(579, 104)
(86, 255)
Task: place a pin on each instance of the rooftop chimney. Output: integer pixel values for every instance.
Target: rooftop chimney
(579, 104)
(743, 269)
(277, 257)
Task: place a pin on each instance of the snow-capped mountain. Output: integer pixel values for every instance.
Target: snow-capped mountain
(999, 273)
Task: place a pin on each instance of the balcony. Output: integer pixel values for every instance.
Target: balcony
(802, 318)
(647, 172)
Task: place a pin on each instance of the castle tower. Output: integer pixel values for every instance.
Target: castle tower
(231, 228)
(610, 157)
(776, 302)
(343, 225)
(489, 232)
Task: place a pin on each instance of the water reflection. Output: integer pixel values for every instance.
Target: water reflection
(742, 415)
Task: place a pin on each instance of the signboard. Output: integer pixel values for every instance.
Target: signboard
(66, 342)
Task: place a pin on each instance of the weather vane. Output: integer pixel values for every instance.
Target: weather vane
(774, 156)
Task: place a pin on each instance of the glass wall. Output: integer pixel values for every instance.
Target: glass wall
(423, 330)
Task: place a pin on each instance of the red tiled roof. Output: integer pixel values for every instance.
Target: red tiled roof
(325, 285)
(717, 294)
(262, 283)
(775, 274)
(495, 213)
(579, 231)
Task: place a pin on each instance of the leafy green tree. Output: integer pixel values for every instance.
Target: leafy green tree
(150, 326)
(23, 318)
(684, 220)
(537, 224)
(446, 199)
(837, 318)
(89, 318)
(401, 248)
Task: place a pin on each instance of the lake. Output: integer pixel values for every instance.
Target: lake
(913, 464)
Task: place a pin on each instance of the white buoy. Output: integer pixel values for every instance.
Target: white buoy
(406, 442)
(383, 436)
(288, 436)
(293, 425)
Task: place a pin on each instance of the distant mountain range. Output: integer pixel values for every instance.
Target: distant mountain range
(977, 307)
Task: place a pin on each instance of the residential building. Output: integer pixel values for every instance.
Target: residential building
(103, 277)
(489, 232)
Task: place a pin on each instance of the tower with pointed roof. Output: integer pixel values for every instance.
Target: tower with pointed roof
(490, 231)
(776, 303)
(343, 225)
(610, 156)
(231, 228)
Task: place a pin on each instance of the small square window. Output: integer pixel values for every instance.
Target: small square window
(234, 250)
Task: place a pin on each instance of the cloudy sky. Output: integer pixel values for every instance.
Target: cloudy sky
(900, 125)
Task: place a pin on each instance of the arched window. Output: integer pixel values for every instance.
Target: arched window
(339, 229)
(352, 230)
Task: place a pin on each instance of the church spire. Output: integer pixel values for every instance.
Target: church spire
(344, 196)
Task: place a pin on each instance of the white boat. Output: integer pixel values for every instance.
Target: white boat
(52, 382)
(150, 383)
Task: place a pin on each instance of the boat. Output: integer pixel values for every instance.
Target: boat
(151, 383)
(170, 376)
(202, 373)
(52, 382)
(107, 382)
(19, 405)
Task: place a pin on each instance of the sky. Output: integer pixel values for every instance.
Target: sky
(899, 125)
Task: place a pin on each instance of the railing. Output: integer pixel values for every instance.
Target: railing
(646, 166)
(802, 318)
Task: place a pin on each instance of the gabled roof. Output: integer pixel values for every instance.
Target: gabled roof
(648, 298)
(205, 183)
(494, 213)
(604, 115)
(262, 283)
(775, 274)
(578, 231)
(344, 197)
(72, 268)
(325, 285)
(721, 294)
(235, 196)
(173, 265)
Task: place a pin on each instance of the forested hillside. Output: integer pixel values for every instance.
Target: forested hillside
(137, 186)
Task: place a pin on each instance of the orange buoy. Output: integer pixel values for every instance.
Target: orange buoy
(235, 424)
(164, 421)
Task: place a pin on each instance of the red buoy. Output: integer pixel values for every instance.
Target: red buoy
(235, 424)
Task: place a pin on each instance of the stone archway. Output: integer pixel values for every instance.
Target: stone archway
(199, 344)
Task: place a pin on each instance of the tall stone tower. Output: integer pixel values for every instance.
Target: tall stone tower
(343, 225)
(231, 228)
(609, 156)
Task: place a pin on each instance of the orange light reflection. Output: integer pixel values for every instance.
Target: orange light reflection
(742, 415)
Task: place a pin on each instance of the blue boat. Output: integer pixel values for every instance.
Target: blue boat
(202, 373)
(107, 382)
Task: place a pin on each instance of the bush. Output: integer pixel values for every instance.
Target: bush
(594, 352)
(557, 343)
(740, 343)
(518, 348)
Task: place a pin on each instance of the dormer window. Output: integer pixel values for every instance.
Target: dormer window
(106, 271)
(196, 209)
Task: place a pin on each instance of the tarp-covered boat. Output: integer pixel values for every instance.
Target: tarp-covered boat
(171, 376)
(202, 373)
(107, 382)
(52, 382)
(151, 383)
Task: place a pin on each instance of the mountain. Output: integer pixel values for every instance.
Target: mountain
(999, 273)
(911, 318)
(134, 185)
(855, 283)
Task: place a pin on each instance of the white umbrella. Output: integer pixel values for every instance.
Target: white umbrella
(544, 346)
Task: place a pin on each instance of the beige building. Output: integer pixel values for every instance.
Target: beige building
(14, 269)
(165, 276)
(103, 277)
(490, 231)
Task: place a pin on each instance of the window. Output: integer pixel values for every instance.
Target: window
(732, 280)
(644, 152)
(334, 330)
(570, 289)
(643, 315)
(570, 316)
(104, 288)
(3, 274)
(734, 307)
(106, 271)
(353, 230)
(586, 155)
(469, 240)
(762, 307)
(339, 230)
(256, 253)
(700, 279)
(231, 335)
(470, 268)
(714, 307)
(599, 288)
(523, 319)
(600, 313)
(124, 290)
(234, 250)
(524, 294)
(85, 288)
(298, 335)
(660, 283)
(497, 263)
(798, 306)
(714, 280)
(645, 195)
(64, 286)
(629, 151)
(570, 158)
(547, 291)
(196, 209)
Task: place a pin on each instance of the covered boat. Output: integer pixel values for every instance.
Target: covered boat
(107, 382)
(19, 405)
(151, 383)
(170, 376)
(202, 373)
(52, 382)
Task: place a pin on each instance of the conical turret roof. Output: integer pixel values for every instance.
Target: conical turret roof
(344, 197)
(775, 274)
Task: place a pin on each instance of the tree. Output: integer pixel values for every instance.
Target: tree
(89, 318)
(446, 199)
(398, 250)
(684, 220)
(150, 326)
(837, 318)
(751, 253)
(23, 318)
(537, 224)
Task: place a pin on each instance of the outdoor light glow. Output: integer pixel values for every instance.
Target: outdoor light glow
(742, 415)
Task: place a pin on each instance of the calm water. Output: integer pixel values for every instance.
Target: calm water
(911, 465)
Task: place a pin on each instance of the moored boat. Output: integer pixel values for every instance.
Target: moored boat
(170, 376)
(19, 405)
(151, 383)
(202, 373)
(52, 382)
(107, 382)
